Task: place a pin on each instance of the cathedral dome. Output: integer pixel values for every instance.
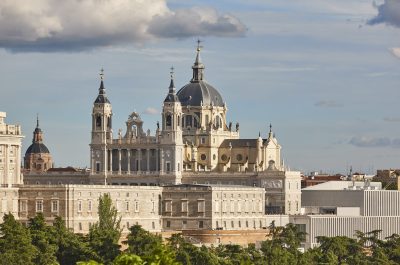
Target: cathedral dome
(198, 92)
(37, 148)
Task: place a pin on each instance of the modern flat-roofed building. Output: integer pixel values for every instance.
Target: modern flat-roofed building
(339, 208)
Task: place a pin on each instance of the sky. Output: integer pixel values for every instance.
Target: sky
(324, 73)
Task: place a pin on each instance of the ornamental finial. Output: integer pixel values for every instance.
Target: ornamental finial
(101, 74)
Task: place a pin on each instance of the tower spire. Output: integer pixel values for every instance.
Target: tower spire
(102, 97)
(198, 66)
(37, 120)
(172, 85)
(270, 134)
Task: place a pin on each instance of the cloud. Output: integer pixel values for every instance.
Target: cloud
(196, 21)
(375, 142)
(70, 25)
(388, 13)
(328, 104)
(151, 111)
(396, 52)
(392, 119)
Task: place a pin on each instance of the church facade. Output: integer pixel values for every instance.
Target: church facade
(193, 145)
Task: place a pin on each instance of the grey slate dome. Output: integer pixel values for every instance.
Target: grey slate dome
(37, 148)
(198, 92)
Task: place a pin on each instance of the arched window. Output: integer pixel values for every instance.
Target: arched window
(168, 120)
(109, 122)
(188, 121)
(98, 121)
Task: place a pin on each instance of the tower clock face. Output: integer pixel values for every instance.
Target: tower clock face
(168, 153)
(97, 153)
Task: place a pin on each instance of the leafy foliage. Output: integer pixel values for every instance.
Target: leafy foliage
(40, 243)
(105, 234)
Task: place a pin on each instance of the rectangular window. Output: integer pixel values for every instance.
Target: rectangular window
(39, 206)
(80, 226)
(153, 208)
(127, 206)
(153, 225)
(23, 206)
(200, 206)
(232, 224)
(168, 206)
(54, 206)
(184, 206)
(201, 224)
(136, 206)
(168, 167)
(79, 206)
(98, 166)
(89, 206)
(168, 223)
(232, 206)
(240, 224)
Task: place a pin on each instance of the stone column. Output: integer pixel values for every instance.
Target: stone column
(148, 160)
(6, 170)
(129, 161)
(119, 161)
(111, 161)
(139, 159)
(18, 176)
(161, 161)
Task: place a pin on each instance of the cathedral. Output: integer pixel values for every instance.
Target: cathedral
(193, 145)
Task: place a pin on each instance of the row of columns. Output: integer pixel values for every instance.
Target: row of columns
(139, 159)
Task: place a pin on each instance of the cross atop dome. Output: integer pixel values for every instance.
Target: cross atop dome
(101, 74)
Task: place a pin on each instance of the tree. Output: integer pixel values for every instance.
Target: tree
(43, 241)
(105, 234)
(141, 242)
(15, 243)
(71, 247)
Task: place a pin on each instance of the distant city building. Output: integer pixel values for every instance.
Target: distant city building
(315, 178)
(339, 208)
(37, 156)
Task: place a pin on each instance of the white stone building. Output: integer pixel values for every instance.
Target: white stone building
(10, 166)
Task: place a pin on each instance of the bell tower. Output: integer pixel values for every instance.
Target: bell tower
(171, 135)
(101, 130)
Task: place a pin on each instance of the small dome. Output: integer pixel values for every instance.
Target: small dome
(37, 148)
(198, 93)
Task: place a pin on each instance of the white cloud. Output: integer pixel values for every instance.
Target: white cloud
(396, 52)
(151, 111)
(46, 25)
